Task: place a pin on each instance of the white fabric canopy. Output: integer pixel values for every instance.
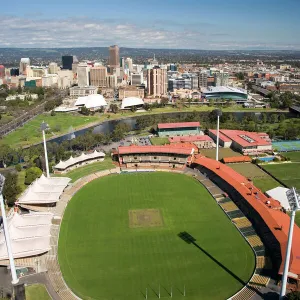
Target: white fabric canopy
(44, 190)
(279, 193)
(75, 160)
(29, 234)
(131, 101)
(91, 101)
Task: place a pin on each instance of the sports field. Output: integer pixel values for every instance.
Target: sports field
(288, 173)
(121, 234)
(286, 146)
(260, 179)
(293, 156)
(223, 152)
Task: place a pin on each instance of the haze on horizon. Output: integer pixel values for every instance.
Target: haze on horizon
(192, 24)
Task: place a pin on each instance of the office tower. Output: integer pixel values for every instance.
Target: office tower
(136, 78)
(14, 72)
(112, 81)
(23, 65)
(202, 80)
(53, 68)
(2, 71)
(98, 76)
(67, 61)
(114, 56)
(128, 64)
(157, 82)
(172, 67)
(83, 75)
(221, 79)
(194, 82)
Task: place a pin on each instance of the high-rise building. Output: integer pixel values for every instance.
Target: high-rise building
(83, 75)
(157, 81)
(2, 71)
(114, 56)
(221, 79)
(136, 78)
(67, 61)
(23, 65)
(98, 76)
(128, 64)
(172, 67)
(53, 68)
(202, 80)
(112, 81)
(14, 72)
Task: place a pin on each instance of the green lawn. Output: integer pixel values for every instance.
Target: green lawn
(21, 180)
(37, 292)
(260, 179)
(30, 132)
(223, 152)
(102, 257)
(294, 156)
(297, 220)
(88, 169)
(288, 173)
(159, 141)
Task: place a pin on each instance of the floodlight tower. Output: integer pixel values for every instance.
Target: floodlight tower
(44, 126)
(14, 276)
(294, 201)
(218, 112)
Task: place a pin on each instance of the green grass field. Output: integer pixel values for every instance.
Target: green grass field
(223, 152)
(88, 169)
(159, 141)
(30, 132)
(288, 173)
(297, 219)
(37, 292)
(260, 179)
(119, 236)
(294, 156)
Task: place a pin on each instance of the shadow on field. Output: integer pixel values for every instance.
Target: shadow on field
(185, 236)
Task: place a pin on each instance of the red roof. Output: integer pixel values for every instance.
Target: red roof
(221, 135)
(236, 159)
(191, 138)
(268, 208)
(236, 136)
(178, 125)
(155, 149)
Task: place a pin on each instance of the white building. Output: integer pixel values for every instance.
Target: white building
(92, 102)
(23, 65)
(77, 91)
(50, 80)
(53, 68)
(83, 75)
(22, 97)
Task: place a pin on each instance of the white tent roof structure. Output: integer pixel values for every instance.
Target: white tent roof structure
(75, 160)
(131, 101)
(29, 234)
(91, 101)
(44, 190)
(279, 193)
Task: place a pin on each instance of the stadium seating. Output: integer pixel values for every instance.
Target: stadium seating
(260, 280)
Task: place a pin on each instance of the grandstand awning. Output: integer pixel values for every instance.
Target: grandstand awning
(29, 234)
(44, 190)
(62, 165)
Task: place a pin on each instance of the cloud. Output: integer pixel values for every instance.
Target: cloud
(84, 32)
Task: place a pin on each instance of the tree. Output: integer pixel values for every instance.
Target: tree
(11, 188)
(18, 168)
(114, 108)
(281, 117)
(85, 111)
(277, 85)
(274, 118)
(32, 174)
(293, 296)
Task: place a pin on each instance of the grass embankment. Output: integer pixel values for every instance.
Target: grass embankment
(88, 169)
(37, 292)
(30, 133)
(159, 141)
(260, 179)
(104, 255)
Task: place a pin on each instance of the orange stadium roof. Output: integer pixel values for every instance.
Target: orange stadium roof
(178, 125)
(190, 138)
(156, 149)
(236, 159)
(268, 208)
(221, 135)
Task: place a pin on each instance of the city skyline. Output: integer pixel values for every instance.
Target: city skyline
(234, 25)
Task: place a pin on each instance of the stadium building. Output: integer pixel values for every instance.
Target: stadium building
(168, 156)
(243, 141)
(178, 129)
(225, 93)
(201, 141)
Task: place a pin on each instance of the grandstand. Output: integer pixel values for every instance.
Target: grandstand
(178, 129)
(265, 214)
(168, 156)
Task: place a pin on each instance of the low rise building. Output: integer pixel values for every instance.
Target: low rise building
(201, 141)
(177, 129)
(131, 91)
(77, 91)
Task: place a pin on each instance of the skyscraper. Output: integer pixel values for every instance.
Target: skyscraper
(98, 76)
(67, 61)
(83, 75)
(23, 65)
(114, 56)
(53, 68)
(157, 81)
(2, 71)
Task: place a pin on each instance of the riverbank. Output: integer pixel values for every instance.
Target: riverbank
(60, 124)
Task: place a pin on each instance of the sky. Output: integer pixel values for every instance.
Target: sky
(177, 24)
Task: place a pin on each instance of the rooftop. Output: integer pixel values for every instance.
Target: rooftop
(155, 149)
(222, 89)
(178, 125)
(190, 138)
